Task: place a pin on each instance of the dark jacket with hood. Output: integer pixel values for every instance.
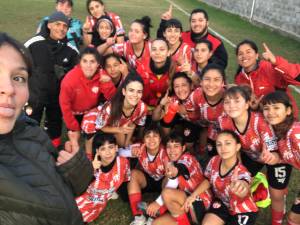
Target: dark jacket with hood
(33, 190)
(51, 61)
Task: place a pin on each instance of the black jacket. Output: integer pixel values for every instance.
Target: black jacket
(51, 61)
(33, 190)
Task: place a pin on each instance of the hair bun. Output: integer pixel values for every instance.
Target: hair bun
(146, 20)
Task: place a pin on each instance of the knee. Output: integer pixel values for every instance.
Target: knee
(136, 177)
(167, 194)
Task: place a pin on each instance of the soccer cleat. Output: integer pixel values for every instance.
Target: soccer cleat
(139, 220)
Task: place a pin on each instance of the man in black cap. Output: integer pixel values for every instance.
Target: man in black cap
(52, 57)
(74, 34)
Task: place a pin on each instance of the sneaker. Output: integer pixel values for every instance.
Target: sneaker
(114, 196)
(139, 220)
(149, 221)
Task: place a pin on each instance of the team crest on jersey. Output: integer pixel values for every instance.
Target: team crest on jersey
(95, 90)
(186, 132)
(216, 205)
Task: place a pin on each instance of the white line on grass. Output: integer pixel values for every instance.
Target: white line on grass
(218, 34)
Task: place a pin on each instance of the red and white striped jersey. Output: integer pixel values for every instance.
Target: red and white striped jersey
(257, 132)
(94, 200)
(209, 113)
(156, 167)
(99, 117)
(196, 178)
(183, 50)
(289, 147)
(221, 186)
(126, 50)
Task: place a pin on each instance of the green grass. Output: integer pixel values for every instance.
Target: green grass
(20, 19)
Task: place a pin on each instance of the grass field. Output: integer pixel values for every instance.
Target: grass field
(20, 19)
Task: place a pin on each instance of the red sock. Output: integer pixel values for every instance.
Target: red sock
(162, 210)
(182, 219)
(277, 217)
(134, 199)
(56, 142)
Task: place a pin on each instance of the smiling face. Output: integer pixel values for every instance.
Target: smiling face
(107, 153)
(174, 150)
(89, 65)
(276, 113)
(235, 106)
(133, 93)
(58, 30)
(152, 141)
(96, 9)
(159, 51)
(202, 53)
(136, 34)
(104, 30)
(112, 67)
(212, 83)
(227, 146)
(172, 35)
(199, 23)
(182, 88)
(247, 57)
(13, 87)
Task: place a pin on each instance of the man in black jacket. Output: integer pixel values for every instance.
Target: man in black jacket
(52, 57)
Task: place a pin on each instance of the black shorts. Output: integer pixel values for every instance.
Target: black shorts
(279, 175)
(296, 206)
(187, 129)
(252, 166)
(152, 186)
(197, 212)
(219, 209)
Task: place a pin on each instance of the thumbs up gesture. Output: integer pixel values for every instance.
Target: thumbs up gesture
(168, 14)
(270, 158)
(71, 148)
(239, 188)
(268, 55)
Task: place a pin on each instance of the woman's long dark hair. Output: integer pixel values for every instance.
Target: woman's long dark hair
(117, 101)
(145, 21)
(282, 128)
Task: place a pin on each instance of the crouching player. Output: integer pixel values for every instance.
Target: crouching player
(230, 182)
(110, 172)
(149, 174)
(186, 172)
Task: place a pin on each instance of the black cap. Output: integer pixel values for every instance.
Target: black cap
(63, 1)
(58, 16)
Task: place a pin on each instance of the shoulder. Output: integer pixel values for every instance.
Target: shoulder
(214, 39)
(33, 40)
(72, 48)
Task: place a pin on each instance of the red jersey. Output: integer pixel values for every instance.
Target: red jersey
(183, 50)
(221, 186)
(289, 147)
(156, 167)
(195, 179)
(155, 86)
(186, 38)
(94, 200)
(267, 78)
(79, 94)
(209, 113)
(257, 132)
(192, 114)
(116, 22)
(126, 50)
(98, 118)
